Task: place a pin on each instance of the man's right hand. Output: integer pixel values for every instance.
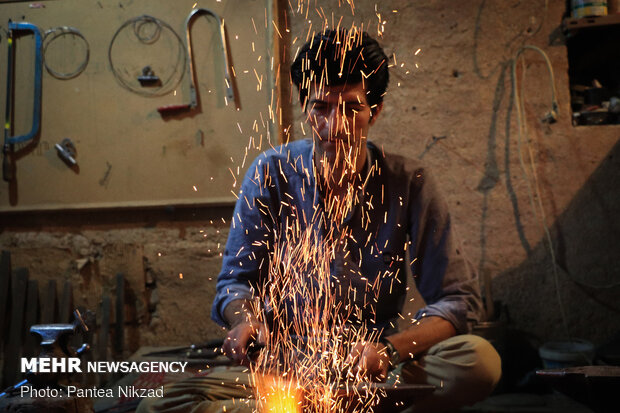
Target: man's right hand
(240, 339)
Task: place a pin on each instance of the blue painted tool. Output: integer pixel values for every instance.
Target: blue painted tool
(8, 169)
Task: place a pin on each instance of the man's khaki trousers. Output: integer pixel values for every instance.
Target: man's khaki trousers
(464, 369)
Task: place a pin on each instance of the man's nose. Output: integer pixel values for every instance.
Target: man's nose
(336, 120)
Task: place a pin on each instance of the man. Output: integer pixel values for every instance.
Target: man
(368, 207)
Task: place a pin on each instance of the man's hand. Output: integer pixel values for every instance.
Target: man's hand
(240, 337)
(369, 360)
(245, 330)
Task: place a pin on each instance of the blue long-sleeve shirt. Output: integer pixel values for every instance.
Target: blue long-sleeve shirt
(400, 208)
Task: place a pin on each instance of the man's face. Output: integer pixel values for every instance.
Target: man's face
(339, 117)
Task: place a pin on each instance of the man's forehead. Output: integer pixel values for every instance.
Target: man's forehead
(347, 92)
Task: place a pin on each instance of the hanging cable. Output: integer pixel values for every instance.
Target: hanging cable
(551, 116)
(56, 33)
(139, 26)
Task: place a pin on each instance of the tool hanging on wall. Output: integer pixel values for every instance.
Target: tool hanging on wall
(193, 89)
(148, 77)
(147, 31)
(66, 151)
(54, 34)
(8, 166)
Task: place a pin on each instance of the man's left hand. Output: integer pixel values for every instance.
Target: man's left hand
(369, 360)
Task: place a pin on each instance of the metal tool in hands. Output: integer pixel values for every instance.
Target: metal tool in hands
(166, 110)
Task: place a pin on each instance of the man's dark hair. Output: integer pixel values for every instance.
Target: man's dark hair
(344, 57)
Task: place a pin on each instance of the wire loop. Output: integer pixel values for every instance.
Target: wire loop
(55, 33)
(139, 25)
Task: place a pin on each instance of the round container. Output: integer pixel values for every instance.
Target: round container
(586, 8)
(563, 354)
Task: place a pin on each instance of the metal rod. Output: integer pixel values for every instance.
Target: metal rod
(7, 170)
(193, 14)
(192, 73)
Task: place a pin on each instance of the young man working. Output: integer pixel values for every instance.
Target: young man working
(375, 205)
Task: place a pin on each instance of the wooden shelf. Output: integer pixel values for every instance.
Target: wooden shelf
(595, 21)
(593, 59)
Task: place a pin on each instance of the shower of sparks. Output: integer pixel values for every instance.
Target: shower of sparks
(278, 394)
(304, 364)
(310, 344)
(315, 318)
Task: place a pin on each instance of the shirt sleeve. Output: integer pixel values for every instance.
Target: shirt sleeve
(245, 258)
(444, 277)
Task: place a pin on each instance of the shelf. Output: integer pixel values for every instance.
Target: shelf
(595, 117)
(593, 68)
(586, 22)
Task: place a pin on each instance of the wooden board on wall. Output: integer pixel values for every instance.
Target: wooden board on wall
(127, 154)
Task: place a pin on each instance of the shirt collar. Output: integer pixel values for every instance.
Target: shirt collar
(361, 191)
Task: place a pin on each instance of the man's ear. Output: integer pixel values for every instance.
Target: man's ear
(375, 113)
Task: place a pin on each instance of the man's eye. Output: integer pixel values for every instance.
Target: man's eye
(352, 110)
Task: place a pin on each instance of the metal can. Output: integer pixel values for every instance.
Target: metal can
(587, 8)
